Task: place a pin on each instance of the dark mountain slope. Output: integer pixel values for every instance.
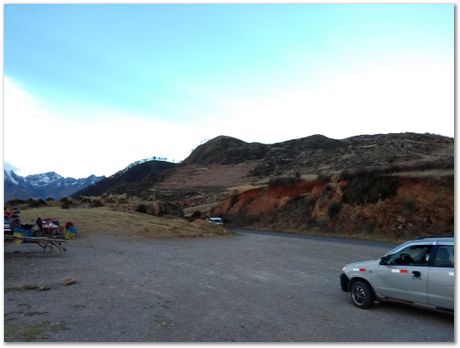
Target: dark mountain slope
(132, 180)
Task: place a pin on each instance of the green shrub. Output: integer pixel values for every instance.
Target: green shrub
(235, 199)
(96, 203)
(122, 200)
(365, 189)
(196, 215)
(283, 180)
(109, 199)
(15, 201)
(142, 208)
(36, 203)
(334, 209)
(410, 204)
(66, 203)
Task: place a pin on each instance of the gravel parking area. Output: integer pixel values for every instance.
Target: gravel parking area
(250, 287)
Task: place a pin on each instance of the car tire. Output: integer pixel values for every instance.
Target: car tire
(362, 294)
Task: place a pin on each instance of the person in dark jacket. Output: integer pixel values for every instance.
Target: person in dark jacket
(39, 223)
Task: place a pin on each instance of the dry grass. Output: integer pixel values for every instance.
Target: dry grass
(242, 188)
(427, 173)
(98, 221)
(219, 175)
(204, 208)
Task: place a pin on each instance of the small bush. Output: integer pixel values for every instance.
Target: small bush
(15, 201)
(235, 199)
(196, 215)
(334, 209)
(96, 203)
(33, 203)
(85, 199)
(324, 177)
(122, 200)
(142, 208)
(284, 180)
(110, 199)
(66, 203)
(409, 205)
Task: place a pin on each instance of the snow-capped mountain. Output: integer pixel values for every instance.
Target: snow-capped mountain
(43, 185)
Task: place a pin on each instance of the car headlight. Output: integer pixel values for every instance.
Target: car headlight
(344, 269)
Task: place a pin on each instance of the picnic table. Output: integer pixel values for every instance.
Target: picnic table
(44, 242)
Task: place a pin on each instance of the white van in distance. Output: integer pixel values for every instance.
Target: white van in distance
(216, 220)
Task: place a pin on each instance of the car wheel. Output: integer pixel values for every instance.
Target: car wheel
(362, 294)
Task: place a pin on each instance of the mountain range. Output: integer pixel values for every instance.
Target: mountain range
(396, 185)
(225, 162)
(46, 185)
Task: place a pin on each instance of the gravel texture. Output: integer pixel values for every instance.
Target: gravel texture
(250, 287)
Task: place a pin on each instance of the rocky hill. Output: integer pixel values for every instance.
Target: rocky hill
(136, 179)
(318, 154)
(392, 185)
(226, 150)
(43, 185)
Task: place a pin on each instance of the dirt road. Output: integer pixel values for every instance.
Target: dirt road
(245, 288)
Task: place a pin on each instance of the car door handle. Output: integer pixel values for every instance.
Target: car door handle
(416, 274)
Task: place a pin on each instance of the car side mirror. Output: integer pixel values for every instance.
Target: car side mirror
(384, 260)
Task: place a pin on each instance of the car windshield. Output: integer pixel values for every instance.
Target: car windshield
(399, 247)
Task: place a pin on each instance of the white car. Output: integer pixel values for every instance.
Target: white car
(419, 271)
(216, 220)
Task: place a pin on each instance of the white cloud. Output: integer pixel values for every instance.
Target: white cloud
(412, 95)
(415, 95)
(39, 139)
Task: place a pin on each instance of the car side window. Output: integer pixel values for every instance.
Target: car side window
(414, 255)
(444, 256)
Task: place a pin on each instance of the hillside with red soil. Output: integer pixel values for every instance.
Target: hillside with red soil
(389, 185)
(417, 206)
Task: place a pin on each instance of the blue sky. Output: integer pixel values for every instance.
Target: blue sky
(125, 82)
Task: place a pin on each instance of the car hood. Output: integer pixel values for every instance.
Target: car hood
(361, 264)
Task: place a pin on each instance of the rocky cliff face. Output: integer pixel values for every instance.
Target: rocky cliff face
(389, 207)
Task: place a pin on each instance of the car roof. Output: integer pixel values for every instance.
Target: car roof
(436, 238)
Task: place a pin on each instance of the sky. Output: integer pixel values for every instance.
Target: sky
(90, 88)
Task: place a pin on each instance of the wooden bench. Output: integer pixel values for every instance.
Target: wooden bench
(44, 242)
